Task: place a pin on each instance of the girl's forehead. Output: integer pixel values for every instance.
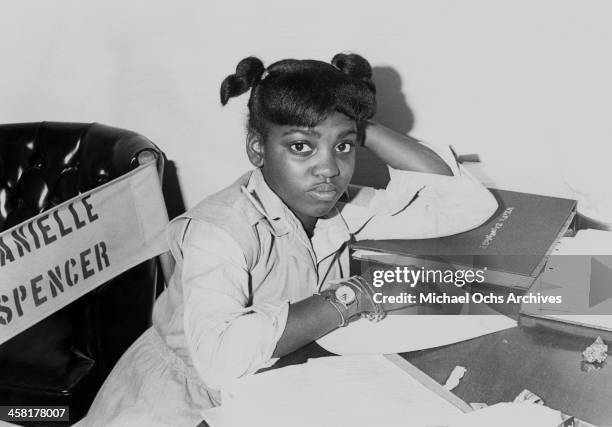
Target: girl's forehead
(334, 123)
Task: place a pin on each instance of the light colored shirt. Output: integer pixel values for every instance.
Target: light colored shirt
(241, 258)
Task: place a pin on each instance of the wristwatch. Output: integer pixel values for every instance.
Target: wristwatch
(342, 299)
(346, 296)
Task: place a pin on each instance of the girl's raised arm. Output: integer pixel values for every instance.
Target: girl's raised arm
(402, 151)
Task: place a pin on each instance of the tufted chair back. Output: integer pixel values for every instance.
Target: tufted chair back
(64, 359)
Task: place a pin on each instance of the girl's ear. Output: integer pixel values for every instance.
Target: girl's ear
(255, 149)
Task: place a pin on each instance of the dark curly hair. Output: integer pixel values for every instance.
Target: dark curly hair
(302, 92)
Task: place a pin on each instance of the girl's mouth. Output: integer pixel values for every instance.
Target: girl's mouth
(324, 192)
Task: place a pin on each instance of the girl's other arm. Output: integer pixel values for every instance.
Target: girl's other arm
(314, 317)
(402, 151)
(307, 321)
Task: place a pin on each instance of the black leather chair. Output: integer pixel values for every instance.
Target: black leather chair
(64, 359)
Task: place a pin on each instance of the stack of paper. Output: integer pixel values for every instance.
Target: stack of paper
(334, 391)
(360, 391)
(586, 242)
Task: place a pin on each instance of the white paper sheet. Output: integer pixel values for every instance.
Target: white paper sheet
(402, 333)
(586, 242)
(510, 415)
(333, 391)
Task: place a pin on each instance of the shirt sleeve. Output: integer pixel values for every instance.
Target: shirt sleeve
(227, 336)
(417, 205)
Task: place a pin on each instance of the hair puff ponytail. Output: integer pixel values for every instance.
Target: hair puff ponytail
(248, 73)
(302, 92)
(355, 66)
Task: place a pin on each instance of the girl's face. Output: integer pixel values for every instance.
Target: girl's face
(308, 168)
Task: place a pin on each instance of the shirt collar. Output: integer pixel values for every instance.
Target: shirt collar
(330, 233)
(268, 204)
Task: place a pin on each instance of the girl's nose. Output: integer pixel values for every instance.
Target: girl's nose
(327, 166)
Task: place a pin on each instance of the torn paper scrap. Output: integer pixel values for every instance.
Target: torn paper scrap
(478, 405)
(527, 396)
(455, 376)
(596, 352)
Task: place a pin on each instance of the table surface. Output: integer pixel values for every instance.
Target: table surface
(499, 366)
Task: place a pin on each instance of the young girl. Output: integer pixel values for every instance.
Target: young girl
(257, 264)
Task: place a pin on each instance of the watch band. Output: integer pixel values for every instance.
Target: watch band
(378, 314)
(330, 297)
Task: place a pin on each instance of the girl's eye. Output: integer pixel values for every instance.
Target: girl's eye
(345, 147)
(300, 147)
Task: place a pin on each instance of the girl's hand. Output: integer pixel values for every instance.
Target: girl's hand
(376, 301)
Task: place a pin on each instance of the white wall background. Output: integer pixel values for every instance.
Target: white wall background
(526, 84)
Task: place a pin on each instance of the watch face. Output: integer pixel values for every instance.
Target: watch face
(345, 294)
